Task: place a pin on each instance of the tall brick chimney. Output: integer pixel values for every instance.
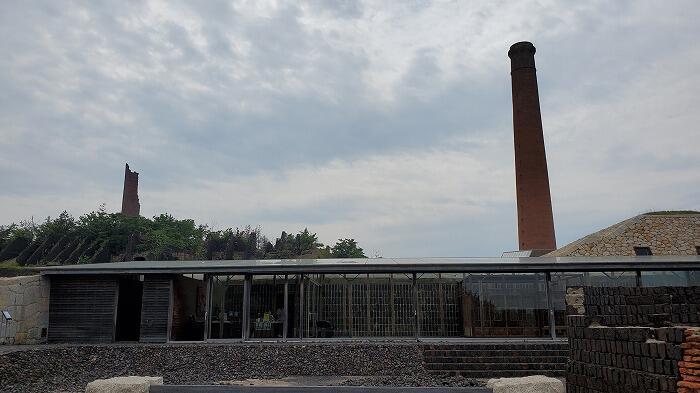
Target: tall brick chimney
(130, 197)
(535, 221)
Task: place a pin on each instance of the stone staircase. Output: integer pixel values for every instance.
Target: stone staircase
(495, 360)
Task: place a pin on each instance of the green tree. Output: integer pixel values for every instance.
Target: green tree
(62, 225)
(168, 235)
(305, 242)
(347, 248)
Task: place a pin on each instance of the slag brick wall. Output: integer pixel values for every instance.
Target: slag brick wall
(633, 339)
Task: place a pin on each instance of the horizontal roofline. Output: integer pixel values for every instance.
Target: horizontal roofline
(386, 265)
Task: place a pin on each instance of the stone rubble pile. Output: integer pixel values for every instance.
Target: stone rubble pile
(69, 368)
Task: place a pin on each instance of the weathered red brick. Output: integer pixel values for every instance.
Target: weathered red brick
(535, 221)
(689, 364)
(689, 385)
(130, 197)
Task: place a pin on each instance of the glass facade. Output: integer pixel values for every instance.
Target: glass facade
(188, 307)
(506, 305)
(560, 280)
(274, 305)
(358, 305)
(226, 306)
(397, 305)
(670, 279)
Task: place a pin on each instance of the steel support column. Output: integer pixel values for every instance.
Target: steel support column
(285, 321)
(207, 305)
(245, 321)
(550, 308)
(416, 322)
(301, 307)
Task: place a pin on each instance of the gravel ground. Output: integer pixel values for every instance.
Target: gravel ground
(70, 368)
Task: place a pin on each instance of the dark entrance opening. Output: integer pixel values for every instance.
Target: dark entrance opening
(129, 309)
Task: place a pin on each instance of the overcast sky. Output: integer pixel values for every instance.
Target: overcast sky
(389, 122)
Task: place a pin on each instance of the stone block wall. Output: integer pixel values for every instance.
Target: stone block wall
(664, 234)
(27, 300)
(633, 340)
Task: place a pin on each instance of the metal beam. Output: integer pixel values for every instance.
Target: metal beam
(465, 265)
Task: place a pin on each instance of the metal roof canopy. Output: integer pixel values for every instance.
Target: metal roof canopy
(388, 265)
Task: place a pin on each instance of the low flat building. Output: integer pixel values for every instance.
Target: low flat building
(327, 299)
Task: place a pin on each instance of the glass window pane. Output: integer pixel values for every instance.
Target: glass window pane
(189, 302)
(441, 299)
(505, 305)
(267, 307)
(226, 307)
(670, 278)
(482, 305)
(562, 280)
(358, 305)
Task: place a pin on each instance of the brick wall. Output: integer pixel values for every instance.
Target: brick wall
(689, 367)
(633, 339)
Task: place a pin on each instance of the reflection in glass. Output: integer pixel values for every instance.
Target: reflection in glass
(670, 278)
(561, 280)
(442, 304)
(507, 304)
(189, 303)
(267, 311)
(226, 307)
(482, 305)
(364, 305)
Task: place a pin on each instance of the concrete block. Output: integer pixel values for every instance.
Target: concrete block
(531, 384)
(131, 384)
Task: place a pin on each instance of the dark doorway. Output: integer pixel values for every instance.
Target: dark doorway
(129, 309)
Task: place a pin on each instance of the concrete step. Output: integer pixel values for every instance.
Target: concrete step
(493, 366)
(489, 360)
(498, 347)
(492, 353)
(311, 389)
(500, 373)
(495, 359)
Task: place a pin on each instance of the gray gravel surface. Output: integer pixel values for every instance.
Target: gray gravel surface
(69, 368)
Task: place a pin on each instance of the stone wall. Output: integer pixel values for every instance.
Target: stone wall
(27, 300)
(632, 339)
(664, 234)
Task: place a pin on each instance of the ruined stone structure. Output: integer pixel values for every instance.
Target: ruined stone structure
(535, 221)
(27, 300)
(130, 198)
(662, 234)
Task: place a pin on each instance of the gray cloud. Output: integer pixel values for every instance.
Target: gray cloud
(247, 113)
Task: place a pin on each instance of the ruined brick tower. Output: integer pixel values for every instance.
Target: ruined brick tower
(130, 197)
(535, 221)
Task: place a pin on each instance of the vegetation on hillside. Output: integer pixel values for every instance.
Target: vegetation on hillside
(165, 237)
(671, 212)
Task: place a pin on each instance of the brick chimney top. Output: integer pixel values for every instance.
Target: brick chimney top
(522, 55)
